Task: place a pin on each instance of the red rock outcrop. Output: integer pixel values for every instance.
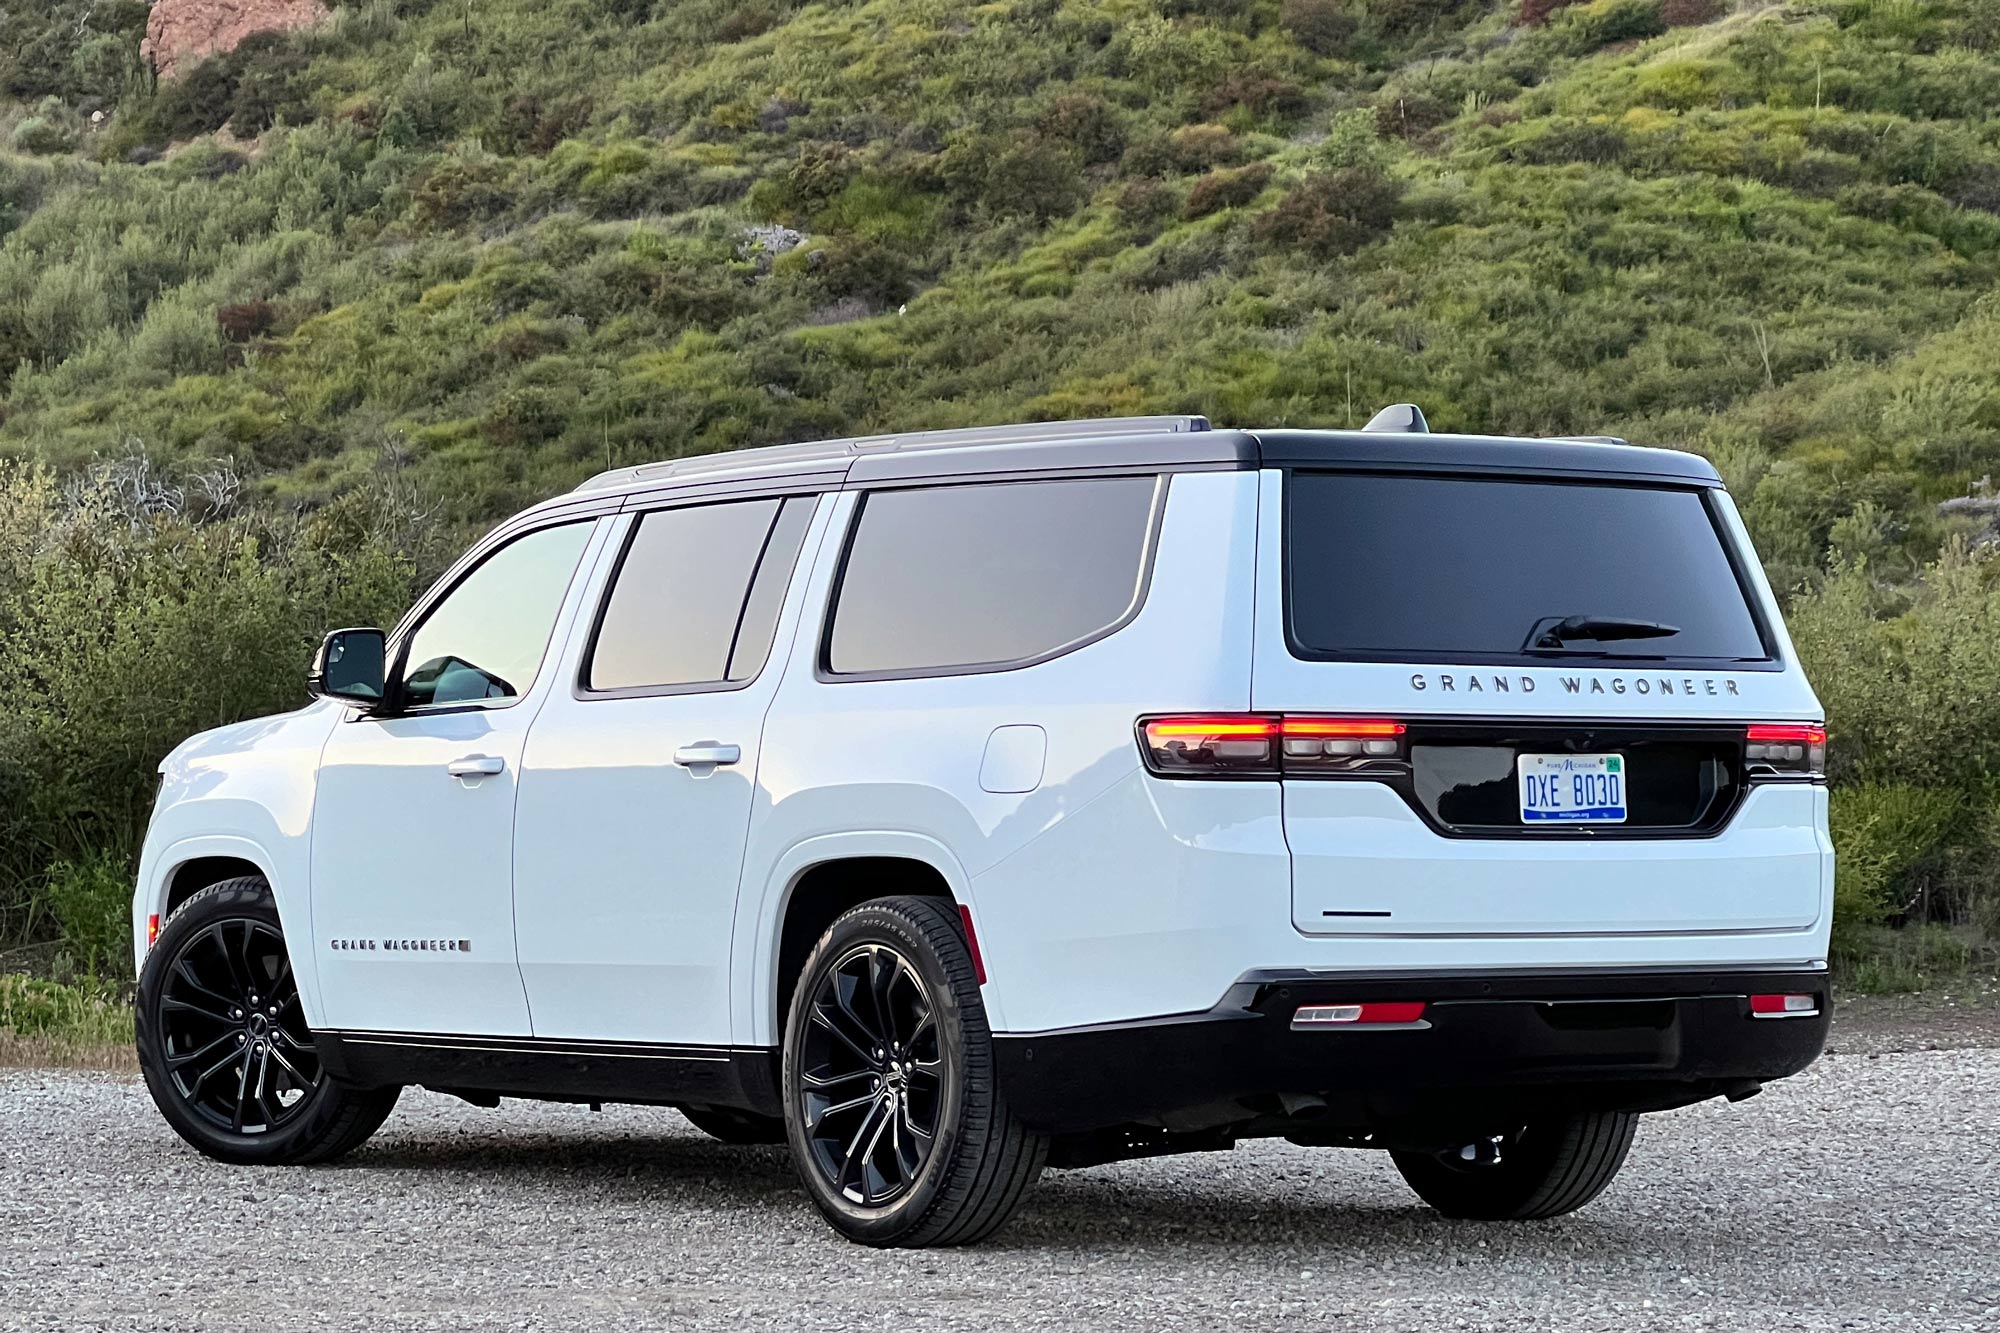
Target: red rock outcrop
(180, 32)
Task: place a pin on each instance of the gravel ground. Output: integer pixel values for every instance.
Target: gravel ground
(1864, 1194)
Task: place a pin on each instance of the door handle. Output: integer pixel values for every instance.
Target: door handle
(476, 766)
(707, 754)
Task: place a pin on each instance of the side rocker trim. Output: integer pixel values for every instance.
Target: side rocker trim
(556, 1069)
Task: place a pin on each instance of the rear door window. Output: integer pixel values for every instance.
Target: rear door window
(1426, 568)
(956, 578)
(696, 596)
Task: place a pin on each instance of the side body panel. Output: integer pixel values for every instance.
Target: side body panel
(413, 867)
(626, 863)
(892, 767)
(244, 792)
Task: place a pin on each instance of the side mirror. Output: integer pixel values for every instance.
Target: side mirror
(350, 666)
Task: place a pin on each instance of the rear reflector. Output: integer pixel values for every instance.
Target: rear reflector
(972, 944)
(1784, 1006)
(152, 929)
(1387, 1013)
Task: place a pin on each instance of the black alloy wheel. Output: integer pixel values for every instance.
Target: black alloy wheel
(898, 1126)
(223, 1040)
(873, 1073)
(237, 1049)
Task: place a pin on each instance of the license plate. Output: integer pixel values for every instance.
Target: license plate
(1572, 789)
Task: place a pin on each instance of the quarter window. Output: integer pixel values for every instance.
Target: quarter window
(486, 640)
(964, 577)
(695, 600)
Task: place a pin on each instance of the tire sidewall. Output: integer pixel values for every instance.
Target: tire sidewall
(880, 923)
(232, 900)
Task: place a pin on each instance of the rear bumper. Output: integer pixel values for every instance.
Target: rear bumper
(1516, 1043)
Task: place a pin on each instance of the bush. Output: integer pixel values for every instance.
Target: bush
(1323, 27)
(1226, 187)
(126, 626)
(1331, 214)
(85, 1016)
(42, 136)
(1534, 13)
(1690, 13)
(91, 900)
(1584, 28)
(271, 85)
(1030, 179)
(1883, 836)
(1088, 125)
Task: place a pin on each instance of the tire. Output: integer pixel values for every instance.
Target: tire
(1549, 1167)
(739, 1127)
(974, 1166)
(198, 1029)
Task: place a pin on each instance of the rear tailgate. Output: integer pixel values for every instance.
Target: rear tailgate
(1418, 599)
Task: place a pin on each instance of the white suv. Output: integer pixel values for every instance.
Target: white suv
(950, 805)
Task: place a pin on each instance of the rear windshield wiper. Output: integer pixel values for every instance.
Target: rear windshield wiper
(1554, 633)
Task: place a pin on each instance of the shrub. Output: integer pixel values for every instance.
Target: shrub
(1333, 213)
(1403, 17)
(246, 321)
(1690, 13)
(1258, 94)
(1226, 187)
(1584, 28)
(1323, 27)
(91, 900)
(1145, 203)
(271, 85)
(1196, 147)
(1087, 124)
(1030, 179)
(870, 273)
(1411, 115)
(42, 136)
(1534, 13)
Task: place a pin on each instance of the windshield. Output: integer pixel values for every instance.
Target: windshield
(1421, 568)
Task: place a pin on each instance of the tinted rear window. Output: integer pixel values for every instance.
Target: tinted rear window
(1435, 568)
(968, 576)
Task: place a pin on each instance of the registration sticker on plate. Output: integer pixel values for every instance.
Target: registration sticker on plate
(1572, 788)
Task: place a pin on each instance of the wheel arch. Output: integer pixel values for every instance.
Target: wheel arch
(812, 885)
(184, 868)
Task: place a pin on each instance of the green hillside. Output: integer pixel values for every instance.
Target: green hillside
(287, 328)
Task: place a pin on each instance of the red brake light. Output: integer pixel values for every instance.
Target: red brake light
(1264, 745)
(1788, 748)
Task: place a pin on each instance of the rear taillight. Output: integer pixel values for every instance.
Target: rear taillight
(1267, 745)
(1785, 749)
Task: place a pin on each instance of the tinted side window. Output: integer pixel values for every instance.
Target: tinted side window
(487, 638)
(1415, 568)
(961, 576)
(695, 600)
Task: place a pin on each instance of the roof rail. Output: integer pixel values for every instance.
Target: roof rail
(840, 450)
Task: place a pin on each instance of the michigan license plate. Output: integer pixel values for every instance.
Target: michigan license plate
(1572, 789)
